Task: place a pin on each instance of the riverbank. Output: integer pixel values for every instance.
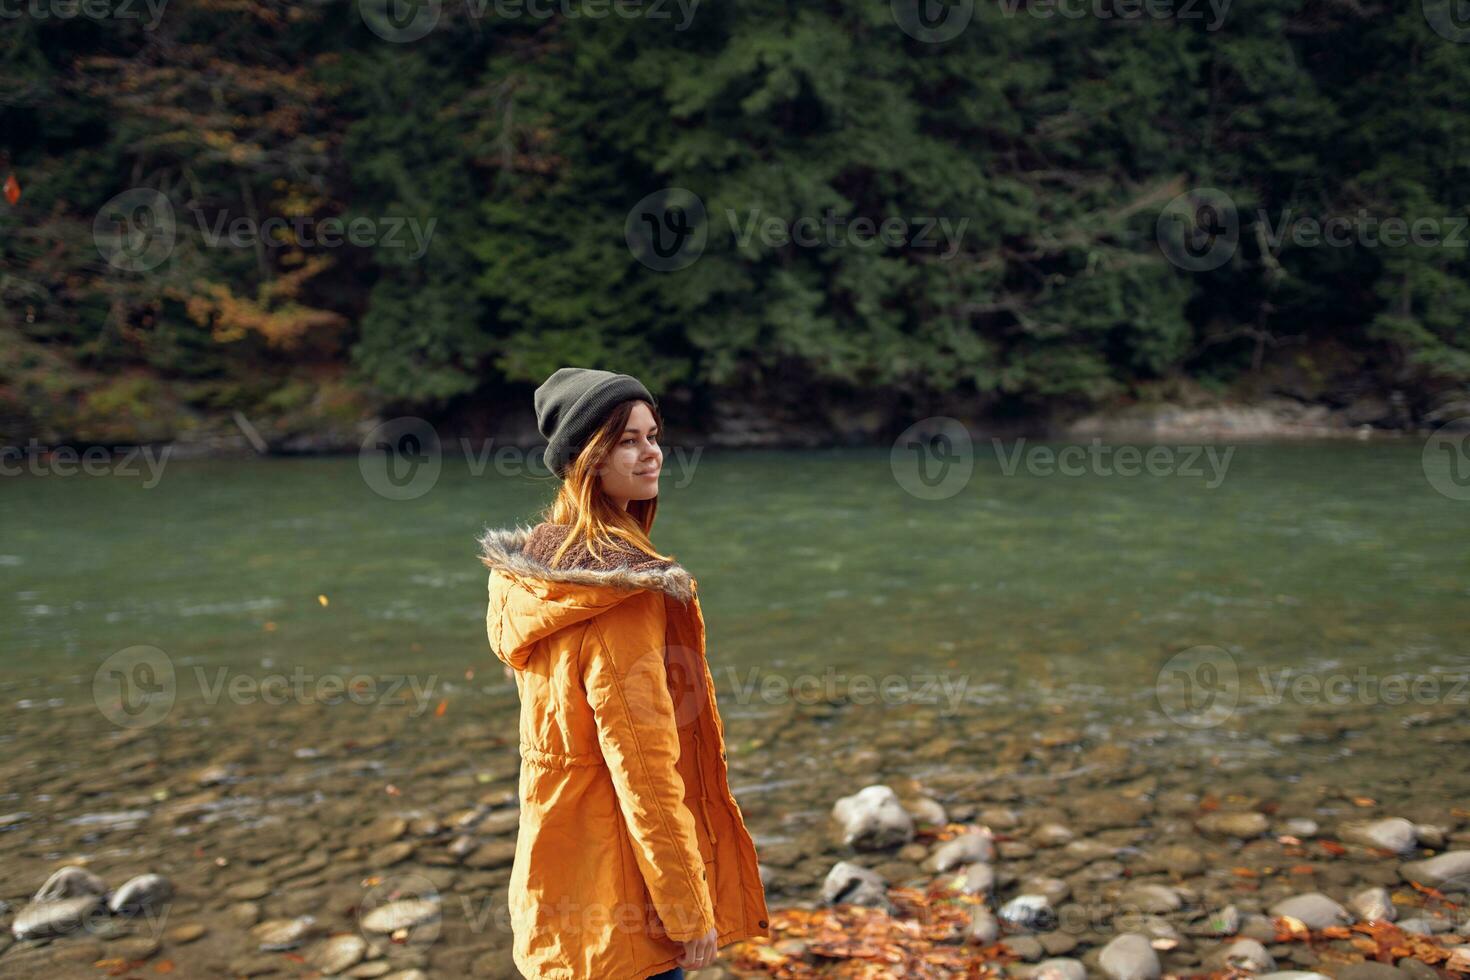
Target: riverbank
(375, 843)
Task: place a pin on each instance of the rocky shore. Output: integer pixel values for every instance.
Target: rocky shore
(303, 840)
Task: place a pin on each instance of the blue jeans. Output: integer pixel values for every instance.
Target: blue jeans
(677, 973)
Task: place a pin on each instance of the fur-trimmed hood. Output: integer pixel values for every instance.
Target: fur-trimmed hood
(551, 598)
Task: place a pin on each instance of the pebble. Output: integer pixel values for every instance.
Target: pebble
(276, 935)
(1152, 898)
(1446, 867)
(57, 917)
(185, 933)
(1059, 969)
(873, 819)
(145, 893)
(1232, 824)
(1314, 910)
(983, 928)
(979, 879)
(1390, 834)
(339, 953)
(70, 882)
(1029, 948)
(1370, 971)
(402, 914)
(1032, 912)
(1247, 954)
(1053, 835)
(852, 884)
(1373, 904)
(967, 848)
(134, 948)
(1129, 957)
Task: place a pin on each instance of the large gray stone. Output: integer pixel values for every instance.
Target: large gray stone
(1129, 957)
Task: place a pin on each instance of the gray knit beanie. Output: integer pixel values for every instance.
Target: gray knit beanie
(573, 402)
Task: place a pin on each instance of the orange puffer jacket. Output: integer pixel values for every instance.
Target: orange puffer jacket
(630, 841)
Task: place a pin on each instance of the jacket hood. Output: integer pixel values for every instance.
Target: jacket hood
(530, 599)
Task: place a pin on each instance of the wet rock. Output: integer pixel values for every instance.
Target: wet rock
(399, 851)
(384, 830)
(1373, 904)
(134, 948)
(1225, 922)
(1314, 910)
(1294, 975)
(1300, 827)
(983, 928)
(979, 879)
(1129, 957)
(926, 811)
(276, 935)
(414, 974)
(1438, 870)
(1053, 835)
(1057, 943)
(1089, 850)
(1030, 912)
(1099, 812)
(853, 884)
(185, 933)
(1055, 890)
(1176, 859)
(1370, 971)
(1029, 948)
(1014, 850)
(1151, 898)
(1246, 954)
(57, 917)
(254, 966)
(967, 848)
(244, 913)
(338, 954)
(249, 890)
(1059, 969)
(1233, 824)
(405, 913)
(496, 854)
(1425, 925)
(1391, 834)
(144, 893)
(873, 819)
(70, 882)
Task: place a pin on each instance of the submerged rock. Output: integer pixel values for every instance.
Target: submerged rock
(1031, 912)
(1314, 910)
(1129, 957)
(873, 819)
(848, 883)
(1392, 834)
(144, 893)
(70, 882)
(57, 917)
(1439, 870)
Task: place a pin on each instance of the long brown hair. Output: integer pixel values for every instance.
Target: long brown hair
(595, 519)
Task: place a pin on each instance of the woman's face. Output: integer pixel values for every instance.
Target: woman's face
(630, 470)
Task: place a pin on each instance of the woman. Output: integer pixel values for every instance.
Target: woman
(632, 858)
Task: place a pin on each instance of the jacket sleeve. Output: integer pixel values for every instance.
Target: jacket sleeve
(636, 728)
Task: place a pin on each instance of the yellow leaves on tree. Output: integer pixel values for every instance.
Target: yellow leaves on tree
(273, 313)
